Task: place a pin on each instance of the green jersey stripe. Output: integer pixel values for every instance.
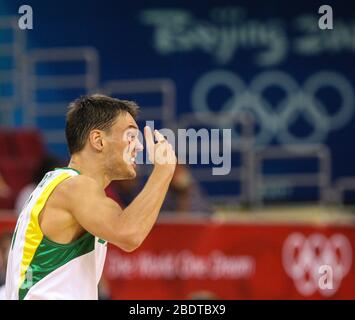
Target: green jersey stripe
(50, 256)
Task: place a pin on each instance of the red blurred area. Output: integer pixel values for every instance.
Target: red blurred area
(21, 153)
(229, 261)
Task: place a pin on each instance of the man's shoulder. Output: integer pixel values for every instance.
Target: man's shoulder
(76, 187)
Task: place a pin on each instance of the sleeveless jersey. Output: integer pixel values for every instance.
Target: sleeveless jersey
(39, 268)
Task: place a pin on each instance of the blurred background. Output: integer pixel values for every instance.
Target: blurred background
(263, 69)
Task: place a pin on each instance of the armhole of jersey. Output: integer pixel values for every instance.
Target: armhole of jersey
(33, 234)
(47, 239)
(47, 196)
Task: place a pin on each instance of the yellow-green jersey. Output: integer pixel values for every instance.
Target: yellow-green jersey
(39, 268)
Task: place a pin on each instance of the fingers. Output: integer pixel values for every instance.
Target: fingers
(171, 155)
(165, 154)
(149, 140)
(159, 136)
(162, 152)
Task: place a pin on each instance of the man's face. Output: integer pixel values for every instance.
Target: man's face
(121, 148)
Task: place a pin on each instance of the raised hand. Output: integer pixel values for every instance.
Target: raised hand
(161, 154)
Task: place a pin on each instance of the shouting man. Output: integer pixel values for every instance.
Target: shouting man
(59, 244)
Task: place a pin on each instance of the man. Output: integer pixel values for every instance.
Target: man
(59, 246)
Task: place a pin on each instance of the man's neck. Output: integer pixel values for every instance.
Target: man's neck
(88, 167)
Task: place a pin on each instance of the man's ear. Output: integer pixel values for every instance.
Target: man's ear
(96, 140)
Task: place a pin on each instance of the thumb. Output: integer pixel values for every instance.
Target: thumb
(150, 142)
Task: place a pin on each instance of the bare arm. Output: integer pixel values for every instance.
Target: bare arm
(104, 218)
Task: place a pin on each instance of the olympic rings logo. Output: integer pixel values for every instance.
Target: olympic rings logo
(303, 256)
(275, 120)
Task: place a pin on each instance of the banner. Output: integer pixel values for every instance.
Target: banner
(236, 261)
(214, 260)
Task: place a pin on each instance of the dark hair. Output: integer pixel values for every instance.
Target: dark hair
(93, 112)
